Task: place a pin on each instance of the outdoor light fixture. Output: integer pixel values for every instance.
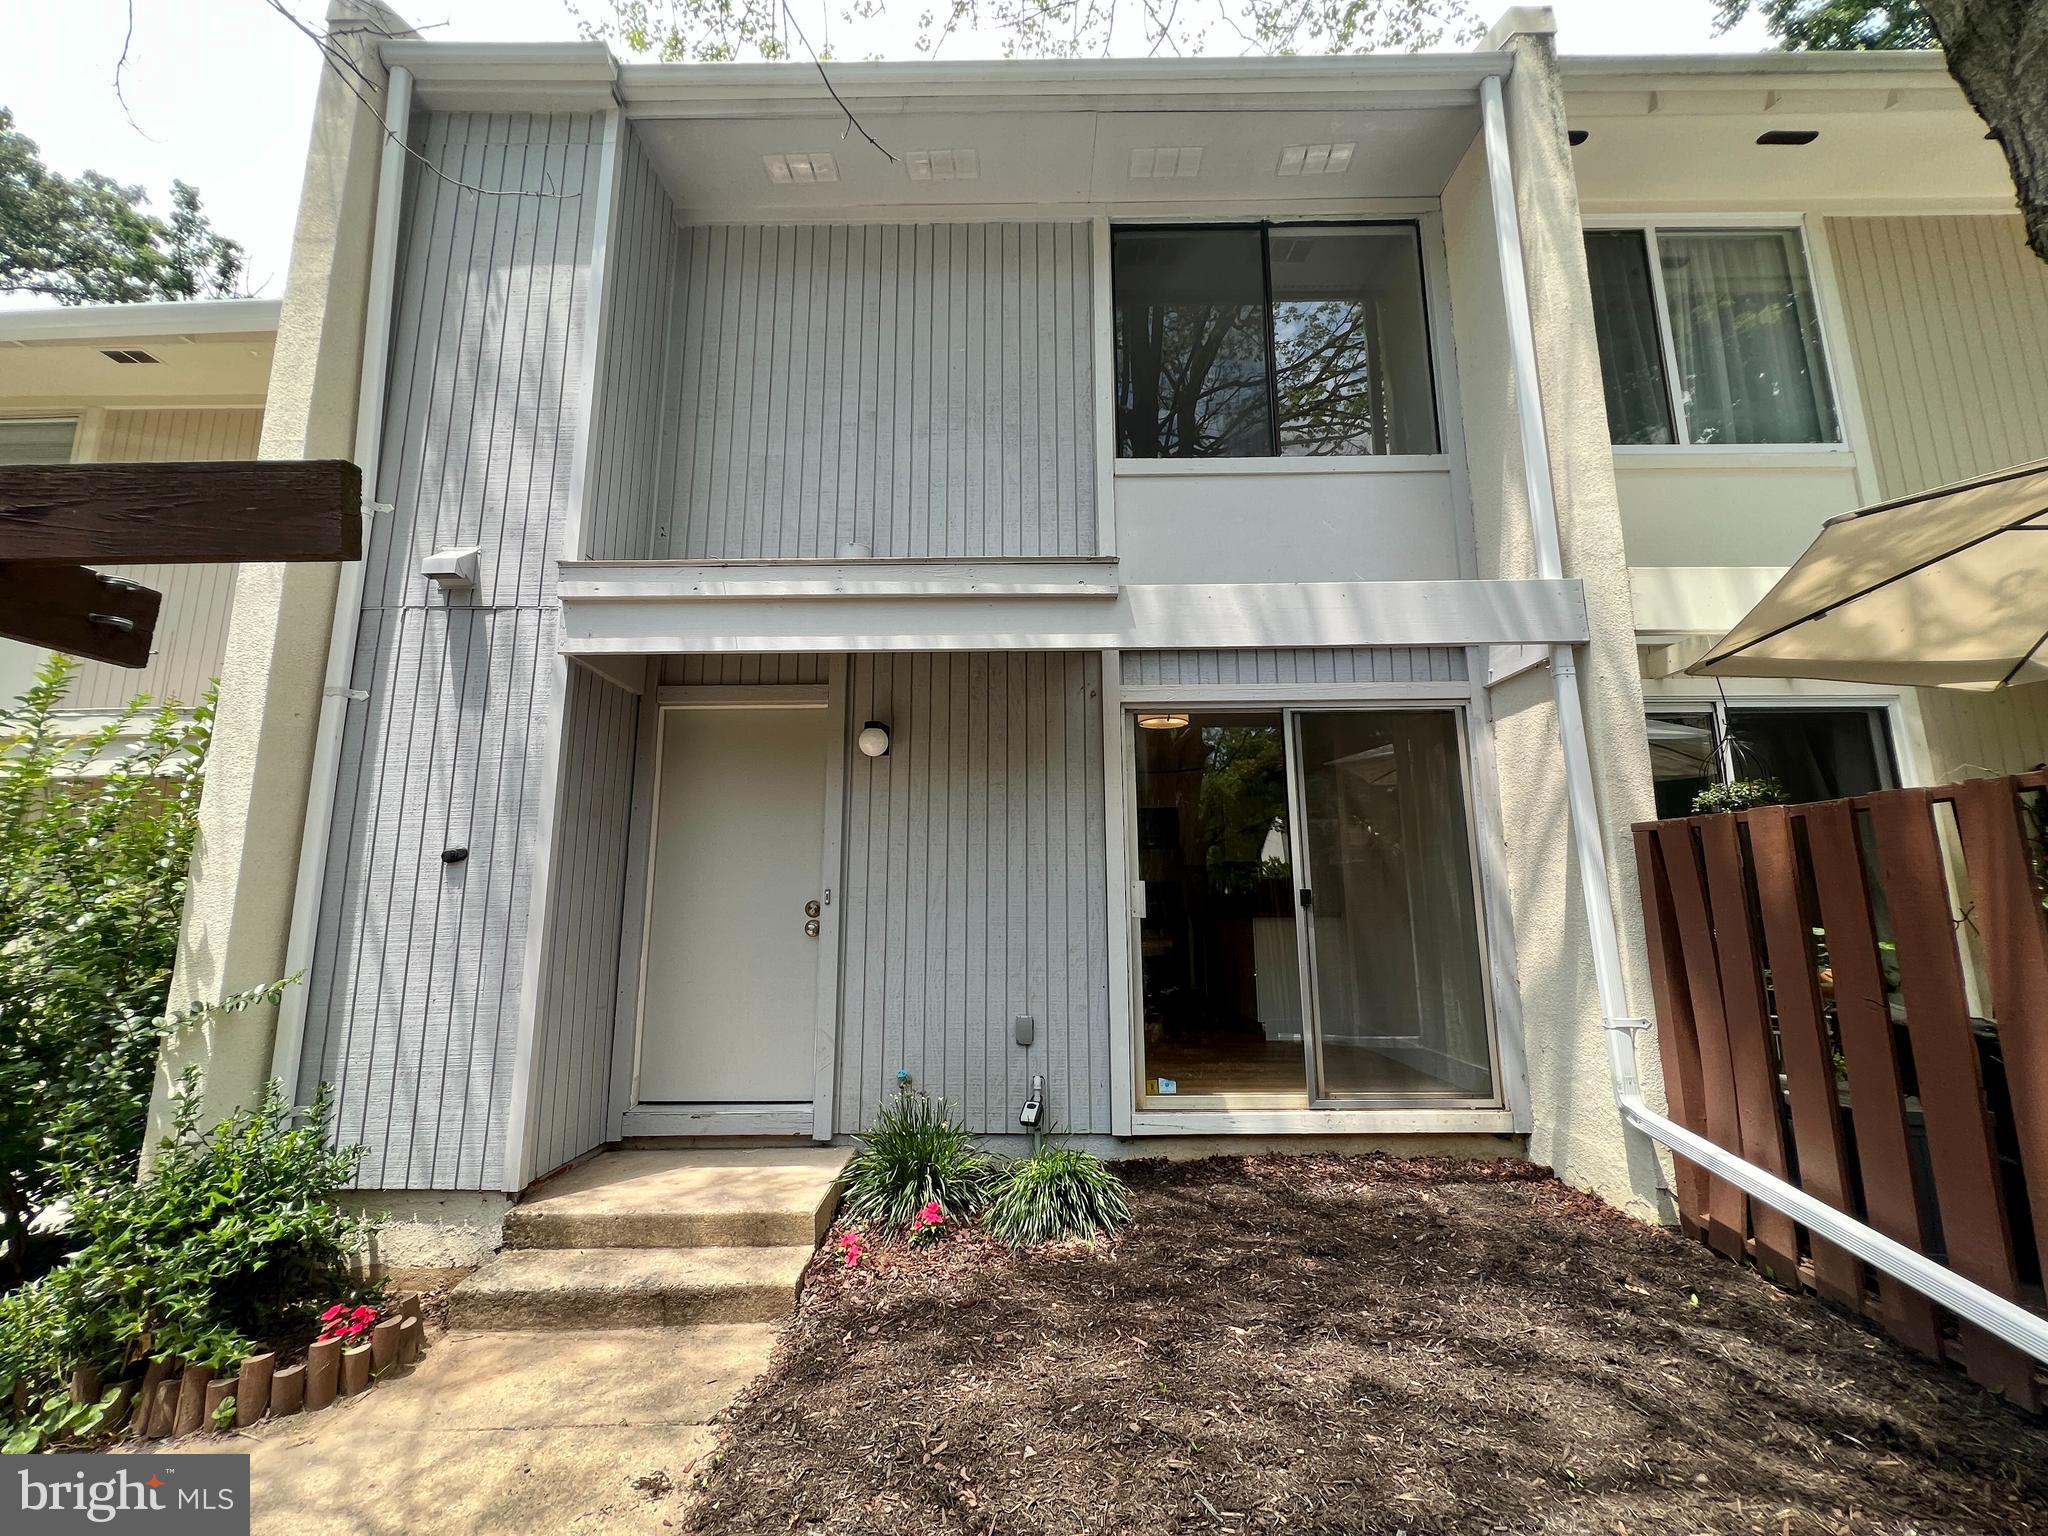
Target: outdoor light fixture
(1161, 719)
(873, 739)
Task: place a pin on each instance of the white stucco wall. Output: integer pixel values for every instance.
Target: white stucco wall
(1576, 1129)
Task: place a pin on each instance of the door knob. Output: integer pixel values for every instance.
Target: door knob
(811, 928)
(812, 909)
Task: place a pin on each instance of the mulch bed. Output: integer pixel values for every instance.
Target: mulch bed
(1353, 1345)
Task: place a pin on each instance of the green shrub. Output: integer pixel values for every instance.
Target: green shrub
(232, 1242)
(911, 1156)
(95, 835)
(1739, 795)
(1058, 1194)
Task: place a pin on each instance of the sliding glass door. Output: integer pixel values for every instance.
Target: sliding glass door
(1309, 927)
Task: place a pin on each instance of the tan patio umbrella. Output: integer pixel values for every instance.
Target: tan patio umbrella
(1945, 589)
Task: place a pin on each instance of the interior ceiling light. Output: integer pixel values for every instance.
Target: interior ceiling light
(942, 164)
(1316, 159)
(1162, 719)
(1789, 136)
(801, 170)
(1161, 164)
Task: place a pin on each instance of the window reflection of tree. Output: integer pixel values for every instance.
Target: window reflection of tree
(1194, 381)
(1332, 389)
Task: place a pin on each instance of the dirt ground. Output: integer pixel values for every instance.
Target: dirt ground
(1353, 1345)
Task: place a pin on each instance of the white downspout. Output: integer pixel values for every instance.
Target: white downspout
(1968, 1300)
(348, 597)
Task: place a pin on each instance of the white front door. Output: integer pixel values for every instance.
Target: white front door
(731, 1002)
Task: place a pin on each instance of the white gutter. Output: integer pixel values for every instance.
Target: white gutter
(184, 319)
(348, 598)
(1968, 1300)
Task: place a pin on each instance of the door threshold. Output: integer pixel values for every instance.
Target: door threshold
(718, 1120)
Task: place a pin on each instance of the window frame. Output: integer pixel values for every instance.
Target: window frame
(1885, 711)
(74, 420)
(1224, 1114)
(1650, 226)
(1417, 225)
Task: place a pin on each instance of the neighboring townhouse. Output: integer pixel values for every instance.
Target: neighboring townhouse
(1812, 293)
(1071, 611)
(114, 383)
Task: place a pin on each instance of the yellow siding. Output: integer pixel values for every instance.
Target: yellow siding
(1948, 326)
(192, 626)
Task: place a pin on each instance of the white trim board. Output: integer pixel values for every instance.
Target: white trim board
(1324, 1122)
(1165, 617)
(718, 1120)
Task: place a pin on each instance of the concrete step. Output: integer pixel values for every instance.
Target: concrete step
(629, 1288)
(765, 1197)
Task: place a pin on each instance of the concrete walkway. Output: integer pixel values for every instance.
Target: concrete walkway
(554, 1406)
(506, 1433)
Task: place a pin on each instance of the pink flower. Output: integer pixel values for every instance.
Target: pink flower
(851, 1248)
(333, 1312)
(932, 1215)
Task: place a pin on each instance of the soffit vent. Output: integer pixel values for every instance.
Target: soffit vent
(128, 355)
(1163, 164)
(942, 164)
(801, 169)
(1316, 159)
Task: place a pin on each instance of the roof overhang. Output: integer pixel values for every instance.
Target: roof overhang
(205, 353)
(1680, 132)
(1049, 135)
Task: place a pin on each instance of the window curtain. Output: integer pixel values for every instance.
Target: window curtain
(1625, 327)
(1748, 351)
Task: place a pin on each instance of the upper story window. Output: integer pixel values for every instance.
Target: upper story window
(37, 442)
(1726, 313)
(1257, 341)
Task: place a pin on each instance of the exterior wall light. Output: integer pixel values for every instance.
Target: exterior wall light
(1162, 719)
(873, 739)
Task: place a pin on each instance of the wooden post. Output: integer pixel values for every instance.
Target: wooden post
(355, 1370)
(288, 1391)
(323, 1374)
(408, 1340)
(192, 1399)
(384, 1345)
(85, 1384)
(145, 1396)
(162, 1409)
(252, 1389)
(217, 1392)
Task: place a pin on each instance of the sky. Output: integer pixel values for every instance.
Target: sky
(219, 92)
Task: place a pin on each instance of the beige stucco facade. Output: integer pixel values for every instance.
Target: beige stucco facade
(239, 902)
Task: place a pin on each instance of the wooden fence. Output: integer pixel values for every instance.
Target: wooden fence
(1809, 968)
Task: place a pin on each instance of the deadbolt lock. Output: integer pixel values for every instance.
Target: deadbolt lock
(812, 909)
(811, 929)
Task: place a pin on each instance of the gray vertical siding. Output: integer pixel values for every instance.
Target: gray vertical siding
(639, 278)
(572, 1049)
(918, 389)
(1363, 664)
(483, 414)
(976, 887)
(727, 671)
(413, 995)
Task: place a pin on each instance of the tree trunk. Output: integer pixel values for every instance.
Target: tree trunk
(1998, 52)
